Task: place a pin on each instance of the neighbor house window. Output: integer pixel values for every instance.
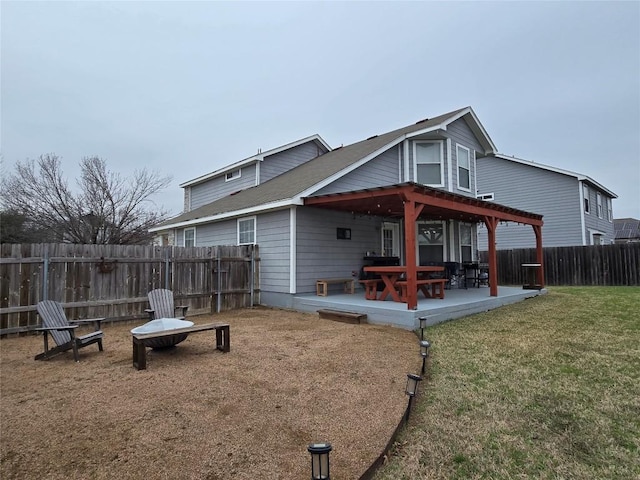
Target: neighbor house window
(232, 175)
(189, 237)
(466, 242)
(428, 163)
(585, 194)
(599, 204)
(246, 231)
(609, 210)
(464, 167)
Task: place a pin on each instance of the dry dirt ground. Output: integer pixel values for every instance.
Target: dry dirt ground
(197, 413)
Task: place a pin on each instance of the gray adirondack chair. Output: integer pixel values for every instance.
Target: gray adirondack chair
(55, 323)
(162, 305)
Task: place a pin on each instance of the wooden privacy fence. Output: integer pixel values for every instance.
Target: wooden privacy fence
(112, 281)
(593, 265)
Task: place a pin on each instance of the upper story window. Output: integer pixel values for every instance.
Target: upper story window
(189, 239)
(463, 156)
(247, 231)
(585, 194)
(609, 210)
(233, 175)
(429, 169)
(599, 204)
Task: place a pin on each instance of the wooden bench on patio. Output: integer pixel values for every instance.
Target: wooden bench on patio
(421, 284)
(370, 288)
(140, 351)
(322, 285)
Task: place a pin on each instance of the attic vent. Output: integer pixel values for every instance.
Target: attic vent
(422, 121)
(487, 197)
(372, 137)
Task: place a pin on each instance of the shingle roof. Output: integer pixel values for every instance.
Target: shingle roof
(305, 176)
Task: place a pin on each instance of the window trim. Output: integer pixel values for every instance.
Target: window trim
(233, 176)
(245, 219)
(442, 165)
(458, 167)
(184, 236)
(460, 245)
(599, 204)
(609, 210)
(586, 200)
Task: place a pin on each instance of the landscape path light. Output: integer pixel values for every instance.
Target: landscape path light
(423, 325)
(424, 352)
(411, 389)
(319, 460)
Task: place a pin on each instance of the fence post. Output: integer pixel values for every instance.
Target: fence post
(252, 272)
(166, 270)
(45, 273)
(219, 290)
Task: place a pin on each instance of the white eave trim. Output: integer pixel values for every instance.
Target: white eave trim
(226, 215)
(256, 158)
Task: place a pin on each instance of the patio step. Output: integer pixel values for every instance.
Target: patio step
(341, 316)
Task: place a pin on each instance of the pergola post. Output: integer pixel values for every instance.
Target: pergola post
(410, 218)
(492, 224)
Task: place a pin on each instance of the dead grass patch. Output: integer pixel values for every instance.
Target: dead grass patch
(290, 379)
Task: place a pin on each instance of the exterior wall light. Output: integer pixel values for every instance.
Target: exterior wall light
(319, 460)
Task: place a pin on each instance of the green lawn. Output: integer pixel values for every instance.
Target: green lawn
(546, 388)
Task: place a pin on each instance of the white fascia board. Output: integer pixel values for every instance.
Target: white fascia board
(327, 181)
(257, 158)
(442, 126)
(226, 215)
(579, 176)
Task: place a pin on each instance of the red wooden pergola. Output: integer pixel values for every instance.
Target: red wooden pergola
(413, 202)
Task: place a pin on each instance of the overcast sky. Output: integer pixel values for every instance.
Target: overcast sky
(188, 87)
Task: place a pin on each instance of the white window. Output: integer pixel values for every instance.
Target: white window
(246, 231)
(189, 239)
(463, 157)
(233, 175)
(487, 197)
(609, 210)
(599, 204)
(429, 169)
(466, 242)
(585, 194)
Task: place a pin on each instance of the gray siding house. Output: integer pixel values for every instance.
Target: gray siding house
(577, 210)
(261, 200)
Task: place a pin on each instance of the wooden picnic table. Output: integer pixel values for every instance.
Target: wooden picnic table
(390, 275)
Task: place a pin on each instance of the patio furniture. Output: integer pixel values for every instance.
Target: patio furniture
(322, 285)
(223, 342)
(162, 305)
(62, 331)
(391, 275)
(437, 287)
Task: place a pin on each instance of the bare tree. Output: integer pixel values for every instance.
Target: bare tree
(106, 209)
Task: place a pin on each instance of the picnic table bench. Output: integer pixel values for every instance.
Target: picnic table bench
(421, 284)
(140, 348)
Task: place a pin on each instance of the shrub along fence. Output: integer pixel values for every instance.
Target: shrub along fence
(112, 281)
(593, 265)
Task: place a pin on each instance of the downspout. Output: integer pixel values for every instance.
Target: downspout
(293, 251)
(582, 213)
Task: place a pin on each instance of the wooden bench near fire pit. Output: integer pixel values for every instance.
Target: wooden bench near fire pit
(140, 348)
